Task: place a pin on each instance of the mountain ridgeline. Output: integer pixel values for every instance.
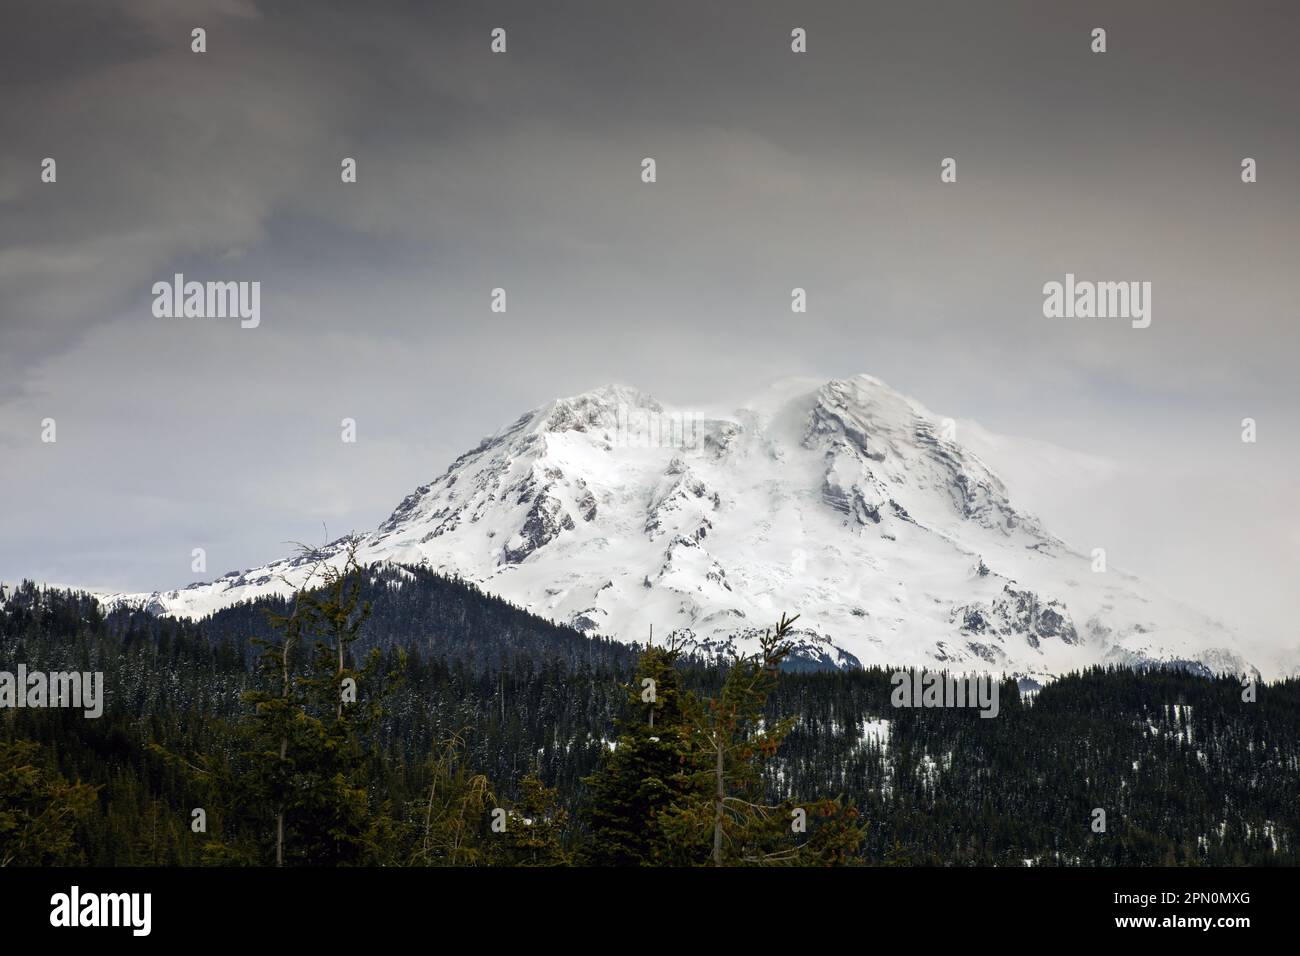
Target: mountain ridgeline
(845, 502)
(491, 707)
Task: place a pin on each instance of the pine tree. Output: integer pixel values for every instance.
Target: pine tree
(640, 778)
(311, 730)
(534, 828)
(727, 743)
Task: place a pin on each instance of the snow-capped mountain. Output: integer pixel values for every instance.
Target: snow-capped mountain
(845, 503)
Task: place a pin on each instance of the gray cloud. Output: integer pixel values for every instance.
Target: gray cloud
(522, 171)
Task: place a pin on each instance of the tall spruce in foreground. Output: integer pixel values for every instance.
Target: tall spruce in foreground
(727, 743)
(310, 736)
(641, 777)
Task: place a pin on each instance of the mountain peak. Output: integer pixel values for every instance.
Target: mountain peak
(843, 501)
(594, 409)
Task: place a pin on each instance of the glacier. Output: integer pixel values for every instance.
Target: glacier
(844, 502)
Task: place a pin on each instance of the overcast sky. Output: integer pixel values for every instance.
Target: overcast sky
(522, 170)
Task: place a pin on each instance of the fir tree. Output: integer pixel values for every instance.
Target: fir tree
(640, 778)
(534, 828)
(727, 742)
(310, 730)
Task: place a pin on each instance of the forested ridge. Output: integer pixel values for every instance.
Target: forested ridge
(471, 713)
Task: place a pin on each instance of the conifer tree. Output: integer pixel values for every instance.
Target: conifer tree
(453, 826)
(310, 732)
(641, 777)
(534, 828)
(726, 744)
(39, 810)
